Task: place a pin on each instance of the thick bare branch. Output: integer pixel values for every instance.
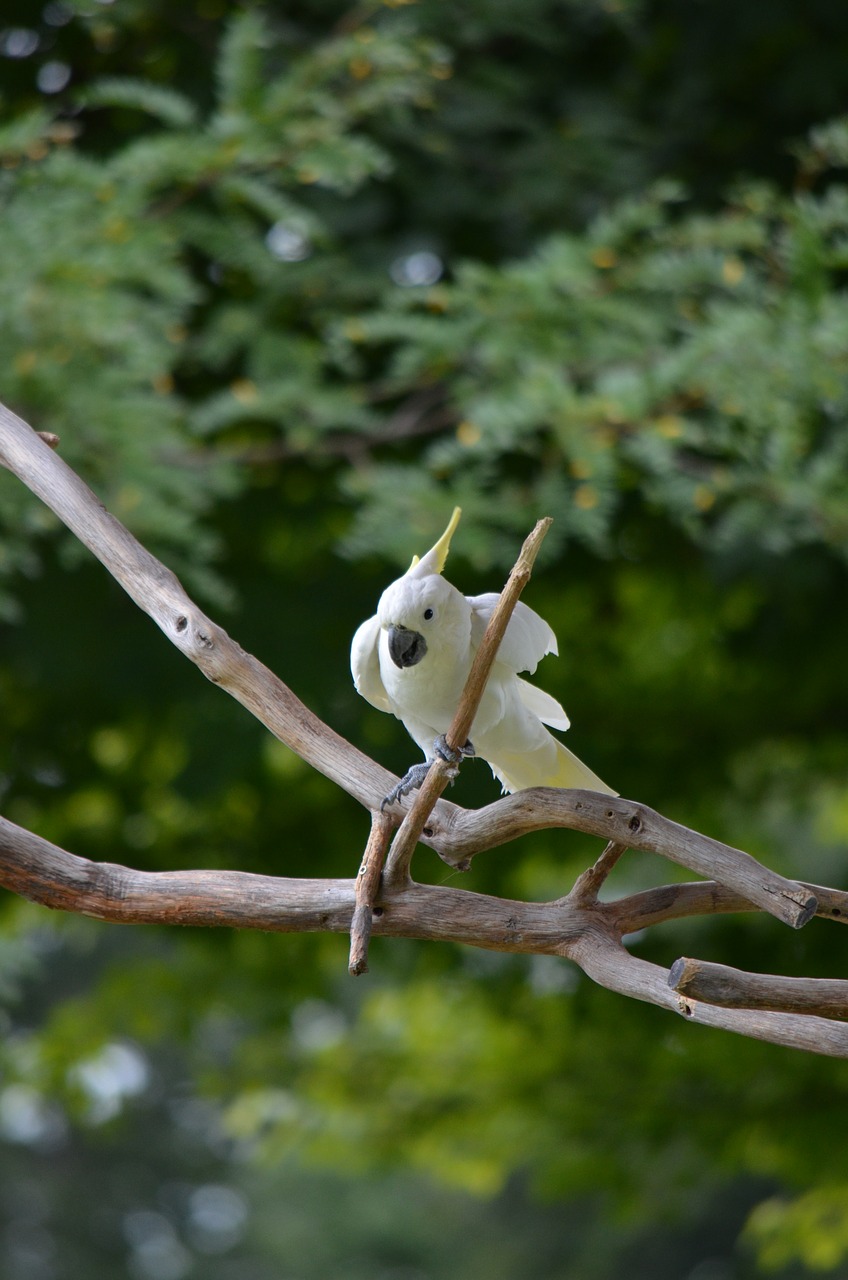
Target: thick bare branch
(608, 963)
(456, 834)
(705, 897)
(49, 875)
(46, 874)
(735, 989)
(626, 822)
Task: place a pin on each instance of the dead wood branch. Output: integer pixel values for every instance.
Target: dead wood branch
(589, 884)
(367, 888)
(578, 927)
(736, 989)
(611, 965)
(706, 897)
(48, 875)
(462, 833)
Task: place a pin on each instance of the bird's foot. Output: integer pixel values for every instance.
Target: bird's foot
(412, 780)
(441, 748)
(451, 756)
(414, 777)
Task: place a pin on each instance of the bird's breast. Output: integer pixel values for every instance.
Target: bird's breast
(430, 688)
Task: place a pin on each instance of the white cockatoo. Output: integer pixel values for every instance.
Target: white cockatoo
(413, 657)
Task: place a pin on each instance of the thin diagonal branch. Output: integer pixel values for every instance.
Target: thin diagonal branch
(588, 885)
(367, 888)
(441, 771)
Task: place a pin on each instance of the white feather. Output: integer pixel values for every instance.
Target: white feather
(365, 666)
(508, 730)
(527, 639)
(543, 705)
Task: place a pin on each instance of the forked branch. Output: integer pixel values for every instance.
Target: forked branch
(46, 874)
(578, 926)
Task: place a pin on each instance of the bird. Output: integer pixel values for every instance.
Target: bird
(412, 660)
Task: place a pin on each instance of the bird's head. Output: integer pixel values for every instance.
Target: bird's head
(421, 612)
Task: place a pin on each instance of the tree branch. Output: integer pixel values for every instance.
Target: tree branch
(608, 963)
(48, 875)
(367, 887)
(705, 897)
(578, 926)
(589, 884)
(735, 989)
(460, 834)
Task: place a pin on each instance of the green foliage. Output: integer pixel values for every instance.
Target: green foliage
(104, 330)
(695, 360)
(812, 1229)
(164, 104)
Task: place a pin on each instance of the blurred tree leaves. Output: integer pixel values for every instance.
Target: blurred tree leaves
(697, 361)
(100, 265)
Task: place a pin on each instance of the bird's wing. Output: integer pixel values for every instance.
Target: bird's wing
(528, 637)
(542, 705)
(365, 665)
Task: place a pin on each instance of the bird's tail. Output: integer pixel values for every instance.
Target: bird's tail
(550, 765)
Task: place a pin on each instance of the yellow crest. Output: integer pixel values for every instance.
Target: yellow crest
(435, 558)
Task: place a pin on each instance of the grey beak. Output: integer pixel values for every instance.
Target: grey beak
(406, 648)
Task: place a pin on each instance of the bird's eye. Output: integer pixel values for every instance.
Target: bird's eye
(428, 613)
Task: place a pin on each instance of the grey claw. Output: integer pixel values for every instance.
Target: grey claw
(414, 776)
(411, 781)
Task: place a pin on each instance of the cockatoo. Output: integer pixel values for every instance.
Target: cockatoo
(413, 657)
